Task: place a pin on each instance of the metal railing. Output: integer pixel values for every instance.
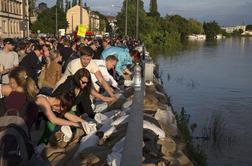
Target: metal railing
(132, 154)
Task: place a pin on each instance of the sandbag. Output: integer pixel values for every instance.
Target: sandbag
(154, 128)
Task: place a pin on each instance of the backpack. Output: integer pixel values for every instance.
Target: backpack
(15, 146)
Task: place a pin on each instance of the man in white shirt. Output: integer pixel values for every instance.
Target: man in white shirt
(8, 59)
(105, 65)
(86, 61)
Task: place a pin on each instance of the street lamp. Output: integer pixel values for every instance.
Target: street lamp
(56, 20)
(137, 20)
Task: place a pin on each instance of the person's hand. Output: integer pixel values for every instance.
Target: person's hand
(77, 124)
(107, 99)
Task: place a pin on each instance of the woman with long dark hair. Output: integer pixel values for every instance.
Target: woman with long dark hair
(81, 84)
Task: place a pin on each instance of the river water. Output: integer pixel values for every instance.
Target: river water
(214, 80)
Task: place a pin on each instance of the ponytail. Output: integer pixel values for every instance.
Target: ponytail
(27, 83)
(31, 89)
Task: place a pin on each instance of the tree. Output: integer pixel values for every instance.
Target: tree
(154, 9)
(249, 28)
(74, 2)
(48, 17)
(131, 17)
(68, 5)
(32, 6)
(195, 27)
(211, 29)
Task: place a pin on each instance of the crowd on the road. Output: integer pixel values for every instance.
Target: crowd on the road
(46, 77)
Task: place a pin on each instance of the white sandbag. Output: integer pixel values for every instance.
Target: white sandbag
(101, 107)
(89, 127)
(128, 82)
(109, 132)
(165, 117)
(127, 104)
(154, 128)
(121, 120)
(87, 141)
(67, 133)
(100, 118)
(114, 159)
(114, 114)
(118, 147)
(111, 113)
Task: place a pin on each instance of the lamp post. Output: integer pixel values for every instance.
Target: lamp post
(126, 18)
(137, 20)
(56, 20)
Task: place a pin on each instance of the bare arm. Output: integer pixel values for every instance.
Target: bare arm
(73, 117)
(5, 90)
(46, 109)
(101, 97)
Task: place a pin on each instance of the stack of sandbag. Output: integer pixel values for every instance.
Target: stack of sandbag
(101, 141)
(160, 130)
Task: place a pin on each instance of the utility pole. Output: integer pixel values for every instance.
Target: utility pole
(56, 20)
(81, 11)
(24, 24)
(137, 20)
(126, 18)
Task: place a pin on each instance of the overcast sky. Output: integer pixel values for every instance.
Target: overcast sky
(225, 12)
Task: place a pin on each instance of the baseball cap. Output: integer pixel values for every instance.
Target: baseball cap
(9, 41)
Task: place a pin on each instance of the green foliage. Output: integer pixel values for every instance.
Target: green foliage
(131, 17)
(74, 2)
(154, 9)
(212, 29)
(196, 155)
(32, 6)
(249, 28)
(104, 24)
(164, 32)
(195, 27)
(237, 32)
(46, 21)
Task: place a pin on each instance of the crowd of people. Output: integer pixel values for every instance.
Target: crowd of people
(46, 77)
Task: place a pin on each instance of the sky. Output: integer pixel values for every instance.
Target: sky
(225, 12)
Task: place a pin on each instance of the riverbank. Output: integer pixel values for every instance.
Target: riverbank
(178, 148)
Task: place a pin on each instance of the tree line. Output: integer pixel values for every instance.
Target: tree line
(169, 31)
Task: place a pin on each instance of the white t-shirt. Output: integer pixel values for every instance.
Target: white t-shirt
(8, 60)
(74, 66)
(104, 71)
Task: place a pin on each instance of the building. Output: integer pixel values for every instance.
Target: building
(94, 24)
(14, 18)
(235, 28)
(73, 18)
(196, 37)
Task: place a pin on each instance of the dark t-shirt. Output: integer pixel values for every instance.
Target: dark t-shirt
(32, 65)
(65, 52)
(82, 101)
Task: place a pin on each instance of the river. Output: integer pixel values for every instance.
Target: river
(210, 80)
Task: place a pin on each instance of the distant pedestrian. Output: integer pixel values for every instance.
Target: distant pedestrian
(8, 59)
